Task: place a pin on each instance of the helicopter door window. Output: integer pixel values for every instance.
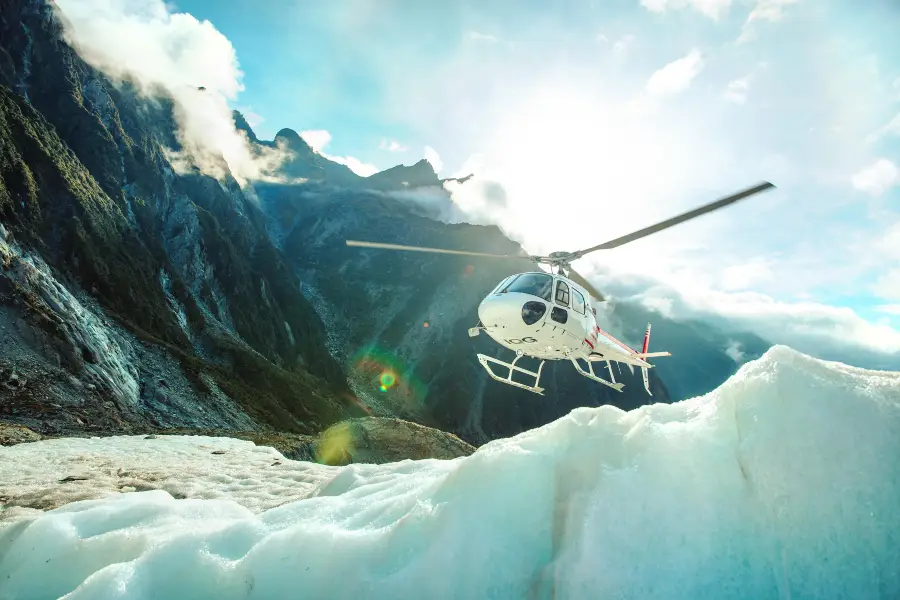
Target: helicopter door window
(534, 284)
(577, 301)
(562, 293)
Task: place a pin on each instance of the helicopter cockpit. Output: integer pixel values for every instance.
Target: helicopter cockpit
(533, 284)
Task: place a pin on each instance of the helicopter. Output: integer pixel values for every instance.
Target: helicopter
(553, 315)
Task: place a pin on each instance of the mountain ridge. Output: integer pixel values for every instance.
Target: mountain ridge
(307, 163)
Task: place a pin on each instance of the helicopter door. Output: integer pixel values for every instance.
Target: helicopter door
(566, 323)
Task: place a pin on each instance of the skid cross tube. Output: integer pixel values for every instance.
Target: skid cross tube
(590, 374)
(484, 360)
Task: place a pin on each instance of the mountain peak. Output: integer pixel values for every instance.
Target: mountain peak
(423, 165)
(241, 124)
(420, 174)
(293, 141)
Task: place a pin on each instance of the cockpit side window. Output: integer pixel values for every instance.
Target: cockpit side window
(535, 284)
(577, 301)
(562, 293)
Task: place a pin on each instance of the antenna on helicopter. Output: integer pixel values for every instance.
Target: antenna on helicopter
(563, 260)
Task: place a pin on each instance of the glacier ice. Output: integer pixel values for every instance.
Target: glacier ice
(782, 483)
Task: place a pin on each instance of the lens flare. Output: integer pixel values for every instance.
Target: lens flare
(387, 381)
(335, 445)
(390, 377)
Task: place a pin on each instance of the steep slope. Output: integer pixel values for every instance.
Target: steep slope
(110, 256)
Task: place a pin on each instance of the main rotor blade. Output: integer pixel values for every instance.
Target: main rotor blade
(679, 219)
(577, 278)
(438, 250)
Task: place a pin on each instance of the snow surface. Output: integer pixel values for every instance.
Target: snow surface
(782, 483)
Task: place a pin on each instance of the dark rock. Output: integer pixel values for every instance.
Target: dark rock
(11, 434)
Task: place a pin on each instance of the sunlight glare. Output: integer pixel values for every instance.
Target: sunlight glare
(579, 167)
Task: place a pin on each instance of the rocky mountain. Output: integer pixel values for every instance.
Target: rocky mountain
(135, 294)
(131, 295)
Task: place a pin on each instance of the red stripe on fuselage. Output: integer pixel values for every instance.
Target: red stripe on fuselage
(588, 342)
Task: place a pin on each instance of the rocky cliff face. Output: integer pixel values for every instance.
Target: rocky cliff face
(148, 296)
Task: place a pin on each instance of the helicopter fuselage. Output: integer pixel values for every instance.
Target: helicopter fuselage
(550, 317)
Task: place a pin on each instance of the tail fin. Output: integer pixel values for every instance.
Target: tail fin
(644, 352)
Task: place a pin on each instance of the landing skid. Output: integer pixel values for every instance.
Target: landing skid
(589, 373)
(484, 360)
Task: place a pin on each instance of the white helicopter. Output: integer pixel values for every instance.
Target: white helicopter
(552, 316)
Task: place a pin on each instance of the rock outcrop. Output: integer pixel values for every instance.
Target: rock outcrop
(374, 440)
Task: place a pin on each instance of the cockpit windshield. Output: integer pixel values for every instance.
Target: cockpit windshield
(535, 284)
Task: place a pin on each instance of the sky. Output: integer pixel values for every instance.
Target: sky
(592, 118)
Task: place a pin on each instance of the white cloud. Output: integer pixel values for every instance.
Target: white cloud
(877, 178)
(765, 10)
(477, 36)
(392, 146)
(737, 90)
(734, 351)
(887, 286)
(806, 326)
(173, 54)
(889, 244)
(769, 10)
(318, 139)
(676, 76)
(891, 309)
(622, 44)
(711, 8)
(359, 167)
(891, 128)
(434, 158)
(747, 275)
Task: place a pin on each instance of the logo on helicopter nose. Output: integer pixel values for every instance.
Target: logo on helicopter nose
(524, 340)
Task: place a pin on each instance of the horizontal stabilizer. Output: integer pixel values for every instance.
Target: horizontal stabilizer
(652, 354)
